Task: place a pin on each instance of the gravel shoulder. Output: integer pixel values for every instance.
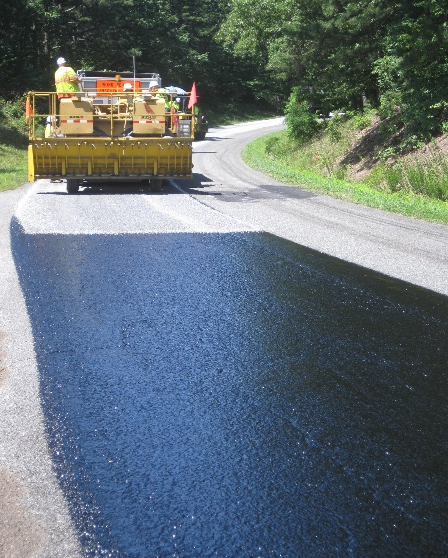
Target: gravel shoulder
(34, 520)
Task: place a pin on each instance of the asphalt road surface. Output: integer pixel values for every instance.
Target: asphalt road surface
(400, 247)
(198, 373)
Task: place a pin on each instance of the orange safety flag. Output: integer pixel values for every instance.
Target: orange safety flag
(28, 109)
(193, 97)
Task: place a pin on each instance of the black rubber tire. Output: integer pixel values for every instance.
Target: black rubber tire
(72, 185)
(156, 184)
(198, 136)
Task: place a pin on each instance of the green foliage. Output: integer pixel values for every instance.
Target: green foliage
(14, 113)
(383, 53)
(13, 142)
(362, 121)
(427, 178)
(385, 177)
(337, 126)
(272, 146)
(301, 124)
(13, 129)
(387, 153)
(238, 112)
(390, 103)
(175, 38)
(413, 70)
(334, 129)
(13, 163)
(388, 53)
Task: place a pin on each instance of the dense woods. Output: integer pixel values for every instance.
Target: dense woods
(339, 54)
(172, 37)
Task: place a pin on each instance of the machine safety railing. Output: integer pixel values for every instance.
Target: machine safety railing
(43, 114)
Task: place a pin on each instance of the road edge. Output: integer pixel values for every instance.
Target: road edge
(35, 521)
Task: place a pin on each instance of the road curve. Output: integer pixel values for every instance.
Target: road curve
(397, 246)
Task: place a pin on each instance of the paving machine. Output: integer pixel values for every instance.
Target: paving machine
(117, 127)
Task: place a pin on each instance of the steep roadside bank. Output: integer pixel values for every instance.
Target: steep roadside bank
(352, 161)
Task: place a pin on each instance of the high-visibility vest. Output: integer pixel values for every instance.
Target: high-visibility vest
(66, 80)
(169, 105)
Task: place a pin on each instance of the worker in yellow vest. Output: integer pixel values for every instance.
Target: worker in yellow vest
(65, 79)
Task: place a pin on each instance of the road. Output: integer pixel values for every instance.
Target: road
(93, 272)
(397, 246)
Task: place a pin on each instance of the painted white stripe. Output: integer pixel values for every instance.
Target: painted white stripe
(71, 121)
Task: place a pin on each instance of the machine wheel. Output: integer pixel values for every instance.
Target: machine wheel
(156, 184)
(72, 185)
(199, 136)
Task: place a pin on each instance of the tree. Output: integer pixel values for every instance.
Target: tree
(413, 72)
(20, 60)
(255, 32)
(175, 38)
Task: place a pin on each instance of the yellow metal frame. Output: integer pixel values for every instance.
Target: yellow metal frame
(104, 158)
(93, 157)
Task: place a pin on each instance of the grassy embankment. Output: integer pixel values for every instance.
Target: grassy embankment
(352, 160)
(13, 143)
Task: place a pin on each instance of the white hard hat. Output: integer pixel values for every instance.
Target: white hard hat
(60, 61)
(177, 99)
(127, 86)
(153, 84)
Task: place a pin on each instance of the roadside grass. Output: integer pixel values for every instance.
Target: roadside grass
(324, 152)
(426, 175)
(411, 187)
(13, 146)
(313, 167)
(13, 166)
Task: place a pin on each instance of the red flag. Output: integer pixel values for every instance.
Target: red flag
(28, 109)
(193, 97)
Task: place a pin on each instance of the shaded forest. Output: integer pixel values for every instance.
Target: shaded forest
(174, 38)
(334, 54)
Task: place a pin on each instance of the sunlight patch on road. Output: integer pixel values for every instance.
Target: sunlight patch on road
(48, 209)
